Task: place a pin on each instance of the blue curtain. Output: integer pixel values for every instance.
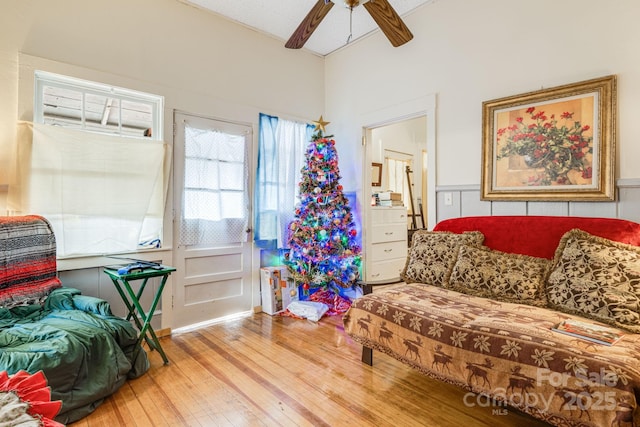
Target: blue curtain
(281, 148)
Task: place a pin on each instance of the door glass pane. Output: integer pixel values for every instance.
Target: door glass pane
(232, 205)
(215, 203)
(201, 173)
(198, 203)
(231, 176)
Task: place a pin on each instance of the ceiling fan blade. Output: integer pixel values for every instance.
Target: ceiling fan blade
(389, 22)
(309, 24)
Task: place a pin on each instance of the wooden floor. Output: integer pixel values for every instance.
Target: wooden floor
(278, 371)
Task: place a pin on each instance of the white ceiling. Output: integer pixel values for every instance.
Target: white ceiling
(280, 18)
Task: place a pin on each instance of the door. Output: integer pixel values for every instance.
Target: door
(212, 245)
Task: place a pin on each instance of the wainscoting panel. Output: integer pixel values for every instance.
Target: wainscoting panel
(602, 209)
(466, 202)
(629, 206)
(547, 208)
(507, 208)
(447, 211)
(470, 202)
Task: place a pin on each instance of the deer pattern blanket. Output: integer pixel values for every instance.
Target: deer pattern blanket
(506, 351)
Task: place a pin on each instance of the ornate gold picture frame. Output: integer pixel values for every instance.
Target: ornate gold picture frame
(554, 144)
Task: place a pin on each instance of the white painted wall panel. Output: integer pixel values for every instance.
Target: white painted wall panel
(508, 208)
(629, 206)
(593, 209)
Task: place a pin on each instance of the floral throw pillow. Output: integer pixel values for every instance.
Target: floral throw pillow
(597, 278)
(500, 275)
(433, 254)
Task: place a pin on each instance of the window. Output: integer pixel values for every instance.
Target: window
(214, 175)
(84, 105)
(396, 167)
(95, 165)
(215, 194)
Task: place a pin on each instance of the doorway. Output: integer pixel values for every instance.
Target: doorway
(383, 132)
(212, 246)
(401, 148)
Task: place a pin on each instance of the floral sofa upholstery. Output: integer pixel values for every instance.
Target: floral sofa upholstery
(84, 351)
(481, 297)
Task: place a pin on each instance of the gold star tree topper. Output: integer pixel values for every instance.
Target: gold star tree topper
(320, 124)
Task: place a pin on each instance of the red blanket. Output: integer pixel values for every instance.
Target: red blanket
(27, 260)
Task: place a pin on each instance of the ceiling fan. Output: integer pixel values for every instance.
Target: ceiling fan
(380, 10)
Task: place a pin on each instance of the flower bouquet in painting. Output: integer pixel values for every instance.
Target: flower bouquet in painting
(556, 150)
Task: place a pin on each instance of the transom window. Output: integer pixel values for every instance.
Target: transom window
(96, 107)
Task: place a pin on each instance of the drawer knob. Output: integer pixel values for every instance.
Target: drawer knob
(388, 250)
(389, 233)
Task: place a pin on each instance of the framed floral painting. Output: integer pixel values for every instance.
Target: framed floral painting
(554, 144)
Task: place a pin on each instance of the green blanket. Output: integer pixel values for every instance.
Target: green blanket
(85, 352)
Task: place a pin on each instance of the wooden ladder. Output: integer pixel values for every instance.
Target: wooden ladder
(413, 213)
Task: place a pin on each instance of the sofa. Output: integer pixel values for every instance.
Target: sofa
(480, 301)
(84, 351)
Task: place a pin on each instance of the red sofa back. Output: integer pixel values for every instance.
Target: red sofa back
(539, 235)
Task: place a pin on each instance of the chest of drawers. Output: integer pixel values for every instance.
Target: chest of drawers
(386, 244)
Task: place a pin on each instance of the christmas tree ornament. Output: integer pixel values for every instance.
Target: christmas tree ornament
(320, 126)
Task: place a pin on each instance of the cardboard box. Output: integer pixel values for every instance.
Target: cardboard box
(276, 290)
(396, 196)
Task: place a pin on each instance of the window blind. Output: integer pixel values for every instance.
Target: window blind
(102, 193)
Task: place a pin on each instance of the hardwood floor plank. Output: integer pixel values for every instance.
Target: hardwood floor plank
(294, 367)
(266, 370)
(119, 405)
(201, 395)
(242, 381)
(281, 381)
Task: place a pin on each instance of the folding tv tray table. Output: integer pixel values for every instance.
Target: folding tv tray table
(132, 300)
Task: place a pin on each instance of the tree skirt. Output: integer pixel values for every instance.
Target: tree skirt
(25, 400)
(337, 305)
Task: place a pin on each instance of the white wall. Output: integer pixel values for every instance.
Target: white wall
(200, 62)
(467, 52)
(408, 136)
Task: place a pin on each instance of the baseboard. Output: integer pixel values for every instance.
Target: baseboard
(165, 332)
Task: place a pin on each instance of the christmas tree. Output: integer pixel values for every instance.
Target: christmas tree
(323, 248)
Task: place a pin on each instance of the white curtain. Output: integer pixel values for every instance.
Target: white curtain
(102, 193)
(215, 202)
(292, 142)
(281, 156)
